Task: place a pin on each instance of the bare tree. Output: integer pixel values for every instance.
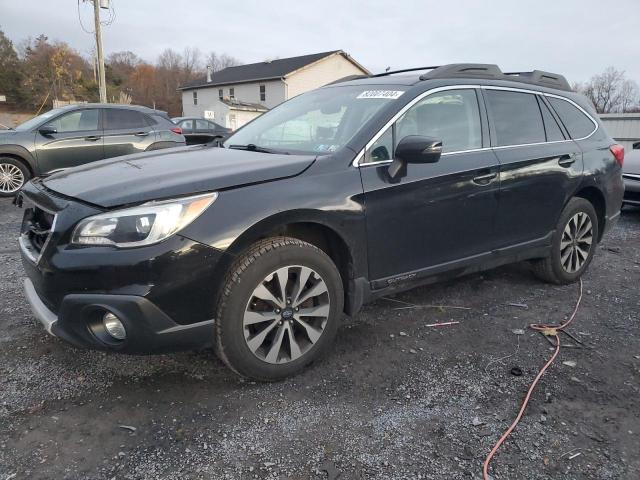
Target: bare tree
(611, 91)
(221, 61)
(191, 63)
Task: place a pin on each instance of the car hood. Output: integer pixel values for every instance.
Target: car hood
(632, 162)
(171, 173)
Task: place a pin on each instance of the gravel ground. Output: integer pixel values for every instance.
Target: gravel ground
(395, 399)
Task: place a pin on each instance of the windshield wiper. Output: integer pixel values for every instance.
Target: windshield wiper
(252, 147)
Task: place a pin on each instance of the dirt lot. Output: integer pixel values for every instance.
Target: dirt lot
(394, 400)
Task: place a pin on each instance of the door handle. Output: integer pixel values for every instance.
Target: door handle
(485, 179)
(92, 138)
(141, 134)
(567, 160)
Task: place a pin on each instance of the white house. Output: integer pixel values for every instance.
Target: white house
(236, 95)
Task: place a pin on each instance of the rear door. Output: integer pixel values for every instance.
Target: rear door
(125, 132)
(78, 140)
(437, 213)
(539, 165)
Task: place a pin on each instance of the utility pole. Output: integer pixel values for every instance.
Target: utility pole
(101, 77)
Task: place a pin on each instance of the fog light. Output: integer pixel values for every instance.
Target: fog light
(114, 326)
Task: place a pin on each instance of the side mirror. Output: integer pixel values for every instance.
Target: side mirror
(415, 149)
(47, 130)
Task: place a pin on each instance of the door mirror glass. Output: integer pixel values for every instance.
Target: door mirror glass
(419, 149)
(47, 130)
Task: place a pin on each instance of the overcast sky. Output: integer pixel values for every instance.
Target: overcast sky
(575, 37)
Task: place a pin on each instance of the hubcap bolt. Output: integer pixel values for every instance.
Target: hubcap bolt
(288, 301)
(297, 309)
(277, 310)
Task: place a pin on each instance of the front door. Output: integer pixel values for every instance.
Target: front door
(437, 213)
(125, 132)
(77, 140)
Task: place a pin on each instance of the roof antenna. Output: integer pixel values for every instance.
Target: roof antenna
(387, 69)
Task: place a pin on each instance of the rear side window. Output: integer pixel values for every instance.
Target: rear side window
(202, 125)
(577, 123)
(516, 118)
(116, 119)
(551, 127)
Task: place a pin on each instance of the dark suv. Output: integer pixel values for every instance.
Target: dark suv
(340, 195)
(78, 134)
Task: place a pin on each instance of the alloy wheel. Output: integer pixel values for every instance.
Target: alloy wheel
(11, 178)
(576, 242)
(286, 314)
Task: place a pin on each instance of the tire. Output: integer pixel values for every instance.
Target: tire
(568, 260)
(258, 334)
(13, 175)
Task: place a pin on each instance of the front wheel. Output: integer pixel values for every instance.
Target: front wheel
(279, 309)
(574, 243)
(13, 175)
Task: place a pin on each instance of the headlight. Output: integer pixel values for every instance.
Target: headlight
(149, 223)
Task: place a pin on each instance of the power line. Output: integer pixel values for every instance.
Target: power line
(90, 32)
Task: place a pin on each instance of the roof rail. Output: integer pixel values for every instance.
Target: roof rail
(539, 77)
(404, 70)
(491, 71)
(464, 70)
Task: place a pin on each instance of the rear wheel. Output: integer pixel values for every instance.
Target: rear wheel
(574, 244)
(13, 175)
(279, 309)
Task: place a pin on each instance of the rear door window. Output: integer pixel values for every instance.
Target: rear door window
(516, 118)
(203, 126)
(576, 122)
(120, 119)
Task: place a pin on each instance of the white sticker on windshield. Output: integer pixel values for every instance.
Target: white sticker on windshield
(389, 94)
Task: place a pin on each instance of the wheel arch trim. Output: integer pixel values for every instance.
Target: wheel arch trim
(21, 154)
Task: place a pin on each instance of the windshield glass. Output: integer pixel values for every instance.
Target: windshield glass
(35, 121)
(320, 121)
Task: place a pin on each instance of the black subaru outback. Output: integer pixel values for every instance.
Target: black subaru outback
(340, 195)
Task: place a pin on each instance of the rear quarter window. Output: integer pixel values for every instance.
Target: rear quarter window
(575, 121)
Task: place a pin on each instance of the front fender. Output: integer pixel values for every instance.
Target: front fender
(24, 154)
(240, 216)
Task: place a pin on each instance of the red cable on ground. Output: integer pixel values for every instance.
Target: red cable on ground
(550, 330)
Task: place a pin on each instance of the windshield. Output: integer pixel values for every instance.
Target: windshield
(317, 122)
(35, 121)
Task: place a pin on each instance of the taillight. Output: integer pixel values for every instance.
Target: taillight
(618, 153)
(177, 130)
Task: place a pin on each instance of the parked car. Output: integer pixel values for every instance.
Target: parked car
(631, 176)
(78, 134)
(258, 248)
(198, 130)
